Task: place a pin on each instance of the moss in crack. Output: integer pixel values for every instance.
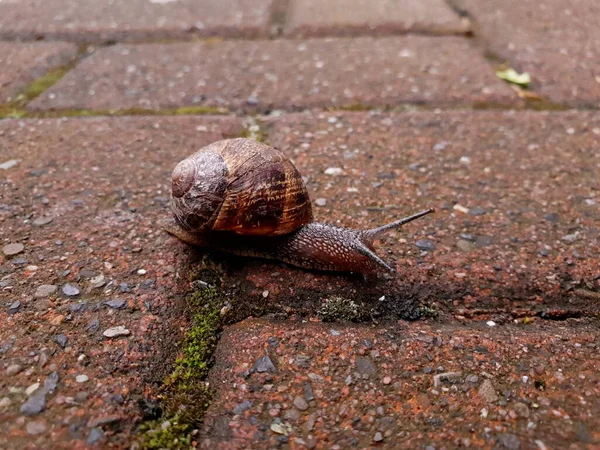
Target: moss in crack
(254, 133)
(338, 308)
(167, 434)
(185, 396)
(43, 83)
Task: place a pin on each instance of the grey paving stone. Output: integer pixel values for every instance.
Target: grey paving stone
(281, 74)
(347, 17)
(102, 20)
(21, 63)
(556, 41)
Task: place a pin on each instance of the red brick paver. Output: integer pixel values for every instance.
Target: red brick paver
(406, 386)
(83, 200)
(91, 20)
(342, 17)
(516, 195)
(21, 63)
(286, 74)
(557, 41)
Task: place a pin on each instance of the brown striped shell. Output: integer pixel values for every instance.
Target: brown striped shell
(239, 185)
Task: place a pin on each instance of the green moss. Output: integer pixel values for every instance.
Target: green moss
(198, 110)
(257, 135)
(43, 83)
(338, 308)
(427, 311)
(166, 435)
(185, 396)
(11, 112)
(356, 107)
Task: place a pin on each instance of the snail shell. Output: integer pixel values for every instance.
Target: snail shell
(242, 186)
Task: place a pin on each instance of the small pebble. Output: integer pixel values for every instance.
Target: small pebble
(9, 164)
(61, 340)
(116, 304)
(13, 249)
(95, 435)
(425, 244)
(41, 221)
(13, 369)
(31, 389)
(241, 407)
(490, 323)
(116, 332)
(264, 364)
(477, 211)
(472, 379)
(300, 403)
(488, 392)
(378, 437)
(44, 290)
(36, 427)
(14, 307)
(365, 366)
(461, 209)
(387, 380)
(321, 202)
(81, 378)
(93, 326)
(334, 171)
(142, 272)
(70, 290)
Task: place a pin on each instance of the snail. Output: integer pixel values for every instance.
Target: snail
(247, 198)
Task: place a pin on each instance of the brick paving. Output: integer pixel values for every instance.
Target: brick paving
(556, 41)
(100, 21)
(22, 63)
(265, 75)
(92, 190)
(413, 382)
(318, 18)
(503, 280)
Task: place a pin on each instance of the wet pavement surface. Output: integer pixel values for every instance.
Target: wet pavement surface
(259, 76)
(28, 61)
(557, 42)
(82, 209)
(486, 337)
(405, 386)
(317, 18)
(92, 21)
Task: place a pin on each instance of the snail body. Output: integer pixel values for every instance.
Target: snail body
(244, 197)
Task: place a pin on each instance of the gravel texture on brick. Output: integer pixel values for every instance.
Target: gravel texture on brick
(516, 195)
(544, 378)
(22, 63)
(281, 74)
(556, 41)
(105, 182)
(343, 17)
(92, 20)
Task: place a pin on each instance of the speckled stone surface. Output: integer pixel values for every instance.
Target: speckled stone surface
(98, 261)
(281, 74)
(342, 17)
(406, 386)
(556, 41)
(23, 62)
(517, 221)
(105, 20)
(514, 242)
